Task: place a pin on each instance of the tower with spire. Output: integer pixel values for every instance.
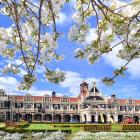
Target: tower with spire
(83, 89)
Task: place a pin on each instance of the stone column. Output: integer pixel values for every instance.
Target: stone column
(52, 117)
(83, 118)
(108, 117)
(96, 118)
(42, 117)
(5, 116)
(62, 117)
(116, 118)
(71, 117)
(33, 117)
(88, 118)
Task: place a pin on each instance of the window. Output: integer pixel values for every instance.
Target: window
(47, 99)
(122, 108)
(130, 102)
(56, 106)
(7, 104)
(137, 108)
(28, 105)
(130, 108)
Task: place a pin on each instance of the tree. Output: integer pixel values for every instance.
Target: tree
(32, 38)
(118, 23)
(27, 39)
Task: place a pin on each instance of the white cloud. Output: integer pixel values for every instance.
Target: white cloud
(34, 91)
(116, 62)
(91, 36)
(73, 80)
(134, 69)
(129, 91)
(8, 83)
(112, 59)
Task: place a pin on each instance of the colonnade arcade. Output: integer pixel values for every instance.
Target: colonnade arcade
(82, 118)
(47, 117)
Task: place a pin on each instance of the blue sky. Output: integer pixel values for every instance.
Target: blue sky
(76, 70)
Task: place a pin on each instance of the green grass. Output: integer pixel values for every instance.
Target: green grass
(38, 126)
(116, 127)
(49, 127)
(72, 127)
(34, 126)
(2, 125)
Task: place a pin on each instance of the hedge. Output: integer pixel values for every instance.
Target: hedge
(96, 128)
(131, 127)
(43, 122)
(34, 130)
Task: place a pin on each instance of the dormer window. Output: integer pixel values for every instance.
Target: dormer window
(130, 102)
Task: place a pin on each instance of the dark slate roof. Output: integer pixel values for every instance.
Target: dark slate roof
(92, 90)
(94, 97)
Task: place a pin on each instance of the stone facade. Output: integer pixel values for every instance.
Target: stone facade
(90, 106)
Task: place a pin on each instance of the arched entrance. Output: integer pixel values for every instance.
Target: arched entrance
(28, 117)
(66, 118)
(136, 119)
(92, 118)
(8, 115)
(120, 118)
(38, 117)
(76, 118)
(48, 117)
(99, 119)
(85, 118)
(57, 118)
(112, 117)
(18, 117)
(104, 118)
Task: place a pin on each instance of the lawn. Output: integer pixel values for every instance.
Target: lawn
(116, 127)
(39, 126)
(72, 127)
(2, 125)
(66, 127)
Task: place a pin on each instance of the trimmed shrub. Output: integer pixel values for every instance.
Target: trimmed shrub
(131, 127)
(96, 128)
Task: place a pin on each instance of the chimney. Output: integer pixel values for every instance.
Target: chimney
(53, 94)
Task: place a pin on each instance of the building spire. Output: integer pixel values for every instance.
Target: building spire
(94, 83)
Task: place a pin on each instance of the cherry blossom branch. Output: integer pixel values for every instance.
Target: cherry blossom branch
(53, 18)
(16, 18)
(39, 32)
